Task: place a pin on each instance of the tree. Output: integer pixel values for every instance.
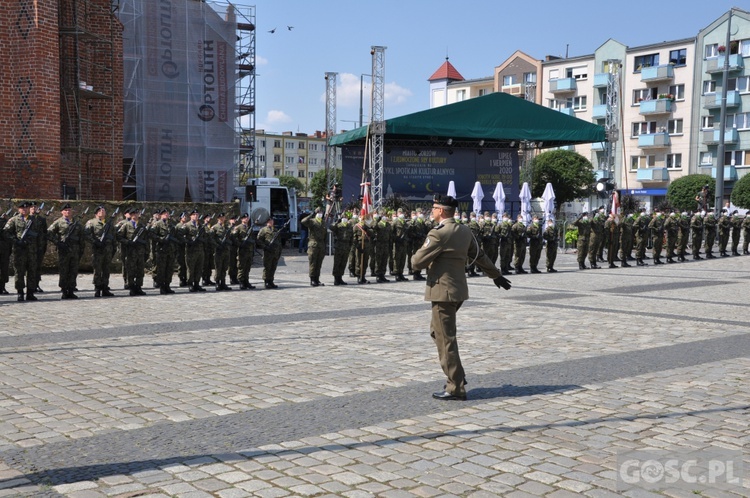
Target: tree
(289, 181)
(319, 187)
(681, 192)
(741, 193)
(570, 174)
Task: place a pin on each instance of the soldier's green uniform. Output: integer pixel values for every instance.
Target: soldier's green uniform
(18, 230)
(534, 232)
(626, 240)
(642, 233)
(40, 227)
(316, 245)
(683, 236)
(67, 234)
(746, 234)
(506, 245)
(476, 231)
(222, 241)
(582, 244)
(596, 239)
(208, 253)
(244, 238)
(612, 229)
(696, 232)
(123, 247)
(192, 235)
(725, 227)
(134, 236)
(657, 237)
(165, 244)
(418, 232)
(672, 229)
(270, 242)
(518, 231)
(6, 247)
(232, 268)
(362, 235)
(552, 239)
(180, 252)
(736, 222)
(399, 247)
(490, 239)
(382, 231)
(101, 236)
(709, 235)
(342, 235)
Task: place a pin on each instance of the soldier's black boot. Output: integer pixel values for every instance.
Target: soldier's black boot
(20, 296)
(71, 295)
(582, 266)
(2, 290)
(624, 263)
(670, 260)
(39, 290)
(224, 286)
(106, 292)
(418, 276)
(183, 283)
(535, 270)
(612, 265)
(520, 270)
(248, 285)
(30, 296)
(98, 291)
(163, 290)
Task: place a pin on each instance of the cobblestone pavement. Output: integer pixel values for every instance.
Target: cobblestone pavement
(325, 391)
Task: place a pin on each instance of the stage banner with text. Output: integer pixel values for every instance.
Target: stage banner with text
(417, 175)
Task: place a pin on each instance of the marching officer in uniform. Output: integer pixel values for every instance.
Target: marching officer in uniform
(582, 244)
(362, 235)
(67, 234)
(165, 243)
(519, 244)
(222, 240)
(19, 230)
(725, 227)
(534, 232)
(443, 254)
(342, 236)
(270, 242)
(552, 238)
(709, 234)
(192, 236)
(316, 244)
(683, 222)
(102, 240)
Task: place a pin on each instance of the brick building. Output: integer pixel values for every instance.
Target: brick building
(60, 99)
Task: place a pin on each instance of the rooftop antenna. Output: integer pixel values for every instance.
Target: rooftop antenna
(566, 49)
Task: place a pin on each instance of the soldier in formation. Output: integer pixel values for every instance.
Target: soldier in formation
(268, 240)
(316, 244)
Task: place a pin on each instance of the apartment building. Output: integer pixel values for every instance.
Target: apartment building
(447, 86)
(518, 75)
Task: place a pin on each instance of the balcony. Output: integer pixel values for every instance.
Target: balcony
(714, 101)
(712, 137)
(652, 175)
(658, 106)
(730, 173)
(562, 85)
(657, 73)
(517, 89)
(568, 111)
(597, 146)
(599, 111)
(601, 80)
(653, 141)
(717, 65)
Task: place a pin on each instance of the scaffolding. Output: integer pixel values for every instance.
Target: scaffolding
(245, 124)
(87, 88)
(330, 165)
(377, 124)
(612, 116)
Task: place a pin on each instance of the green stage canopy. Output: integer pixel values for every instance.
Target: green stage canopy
(498, 119)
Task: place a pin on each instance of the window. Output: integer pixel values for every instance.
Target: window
(312, 161)
(277, 158)
(579, 103)
(645, 128)
(313, 146)
(509, 80)
(644, 94)
(642, 61)
(460, 95)
(262, 158)
(482, 92)
(301, 173)
(711, 50)
(740, 121)
(277, 144)
(529, 78)
(678, 57)
(289, 145)
(745, 48)
(300, 160)
(709, 86)
(742, 84)
(674, 127)
(674, 161)
(554, 74)
(736, 157)
(640, 162)
(277, 172)
(301, 145)
(707, 158)
(678, 91)
(289, 160)
(707, 122)
(310, 174)
(263, 144)
(578, 73)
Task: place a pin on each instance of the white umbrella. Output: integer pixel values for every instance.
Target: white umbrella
(499, 196)
(549, 203)
(452, 189)
(477, 194)
(525, 197)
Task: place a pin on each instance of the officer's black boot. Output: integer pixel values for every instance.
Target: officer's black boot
(20, 296)
(71, 295)
(612, 265)
(106, 292)
(98, 291)
(582, 266)
(30, 296)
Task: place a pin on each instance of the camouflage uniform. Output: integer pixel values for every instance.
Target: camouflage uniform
(746, 234)
(596, 239)
(342, 234)
(123, 248)
(192, 235)
(725, 227)
(382, 242)
(399, 248)
(696, 229)
(165, 244)
(67, 235)
(476, 231)
(683, 236)
(316, 246)
(24, 254)
(208, 253)
(672, 228)
(418, 233)
(232, 249)
(518, 231)
(102, 240)
(40, 227)
(709, 234)
(362, 236)
(221, 241)
(612, 229)
(657, 237)
(534, 232)
(736, 222)
(582, 244)
(626, 240)
(506, 245)
(180, 253)
(551, 237)
(244, 239)
(490, 239)
(133, 236)
(270, 242)
(642, 234)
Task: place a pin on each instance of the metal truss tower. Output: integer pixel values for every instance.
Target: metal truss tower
(612, 117)
(245, 92)
(331, 79)
(377, 124)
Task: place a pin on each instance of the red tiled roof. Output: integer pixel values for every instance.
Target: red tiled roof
(446, 72)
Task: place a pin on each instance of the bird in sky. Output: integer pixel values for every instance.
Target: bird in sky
(290, 28)
(272, 31)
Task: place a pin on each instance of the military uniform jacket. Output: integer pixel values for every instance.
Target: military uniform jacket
(444, 254)
(399, 231)
(243, 237)
(584, 228)
(362, 233)
(657, 226)
(550, 235)
(129, 231)
(316, 230)
(518, 230)
(697, 223)
(724, 224)
(191, 235)
(15, 228)
(94, 230)
(66, 232)
(343, 234)
(267, 240)
(220, 236)
(746, 223)
(162, 232)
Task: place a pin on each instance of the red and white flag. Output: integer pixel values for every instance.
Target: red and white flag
(366, 200)
(615, 203)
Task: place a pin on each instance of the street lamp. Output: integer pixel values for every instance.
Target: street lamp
(361, 84)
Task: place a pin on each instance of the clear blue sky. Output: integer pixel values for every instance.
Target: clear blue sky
(336, 36)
